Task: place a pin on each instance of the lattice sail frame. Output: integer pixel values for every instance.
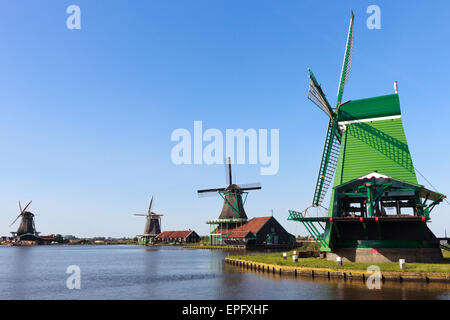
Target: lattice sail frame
(332, 140)
(328, 163)
(346, 64)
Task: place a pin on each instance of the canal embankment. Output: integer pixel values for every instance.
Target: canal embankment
(275, 263)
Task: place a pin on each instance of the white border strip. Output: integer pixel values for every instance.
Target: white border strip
(343, 124)
(369, 120)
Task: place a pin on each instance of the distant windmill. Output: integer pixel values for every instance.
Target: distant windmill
(233, 213)
(27, 223)
(152, 225)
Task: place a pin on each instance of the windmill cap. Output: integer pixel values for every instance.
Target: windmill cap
(233, 187)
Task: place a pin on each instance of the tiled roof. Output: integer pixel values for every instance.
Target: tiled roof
(238, 234)
(252, 226)
(174, 234)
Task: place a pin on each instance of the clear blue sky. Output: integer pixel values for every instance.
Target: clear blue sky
(86, 115)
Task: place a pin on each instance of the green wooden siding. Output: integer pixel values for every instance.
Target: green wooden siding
(375, 146)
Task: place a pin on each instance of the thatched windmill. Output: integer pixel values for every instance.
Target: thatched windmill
(152, 225)
(26, 227)
(233, 213)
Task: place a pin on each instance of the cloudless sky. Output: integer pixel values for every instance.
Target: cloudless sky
(86, 115)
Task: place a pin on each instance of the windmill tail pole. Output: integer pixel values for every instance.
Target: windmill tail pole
(229, 170)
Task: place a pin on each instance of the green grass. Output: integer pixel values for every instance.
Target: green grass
(308, 247)
(277, 259)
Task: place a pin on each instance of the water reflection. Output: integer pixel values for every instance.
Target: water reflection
(137, 272)
(20, 270)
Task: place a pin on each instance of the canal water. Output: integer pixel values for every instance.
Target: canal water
(136, 272)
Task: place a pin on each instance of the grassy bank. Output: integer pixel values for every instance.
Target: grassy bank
(277, 259)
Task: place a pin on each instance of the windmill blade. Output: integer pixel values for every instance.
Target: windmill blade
(316, 95)
(156, 215)
(140, 214)
(250, 186)
(327, 164)
(347, 61)
(209, 192)
(20, 207)
(26, 207)
(16, 219)
(150, 206)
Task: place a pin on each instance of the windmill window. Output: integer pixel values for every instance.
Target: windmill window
(398, 206)
(352, 207)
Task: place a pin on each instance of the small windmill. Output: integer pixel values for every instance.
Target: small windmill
(26, 226)
(233, 213)
(152, 225)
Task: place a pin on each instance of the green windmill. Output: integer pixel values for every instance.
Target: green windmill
(378, 211)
